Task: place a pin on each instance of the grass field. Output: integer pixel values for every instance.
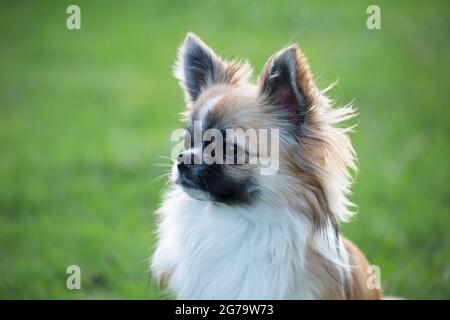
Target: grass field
(85, 113)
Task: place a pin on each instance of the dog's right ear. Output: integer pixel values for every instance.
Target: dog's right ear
(198, 68)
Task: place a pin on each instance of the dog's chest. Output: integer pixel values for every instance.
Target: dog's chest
(217, 253)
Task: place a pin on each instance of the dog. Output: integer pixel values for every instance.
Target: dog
(227, 231)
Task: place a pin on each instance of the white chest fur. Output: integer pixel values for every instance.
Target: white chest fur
(212, 251)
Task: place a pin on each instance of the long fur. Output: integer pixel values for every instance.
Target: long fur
(211, 251)
(287, 245)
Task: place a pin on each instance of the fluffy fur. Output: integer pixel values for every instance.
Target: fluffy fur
(212, 251)
(284, 242)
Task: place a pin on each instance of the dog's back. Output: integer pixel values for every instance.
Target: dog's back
(359, 282)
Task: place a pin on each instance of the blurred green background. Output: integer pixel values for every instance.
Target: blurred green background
(85, 113)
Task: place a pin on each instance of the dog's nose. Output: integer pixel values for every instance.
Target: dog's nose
(187, 160)
(180, 158)
(181, 162)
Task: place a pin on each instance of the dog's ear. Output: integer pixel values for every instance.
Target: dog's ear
(198, 68)
(287, 83)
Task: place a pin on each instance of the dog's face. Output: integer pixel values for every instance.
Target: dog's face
(217, 175)
(223, 106)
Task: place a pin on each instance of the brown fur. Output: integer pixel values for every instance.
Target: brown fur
(333, 287)
(314, 166)
(359, 277)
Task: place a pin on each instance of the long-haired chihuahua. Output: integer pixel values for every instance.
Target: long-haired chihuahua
(231, 230)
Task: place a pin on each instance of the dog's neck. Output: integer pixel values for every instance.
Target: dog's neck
(213, 251)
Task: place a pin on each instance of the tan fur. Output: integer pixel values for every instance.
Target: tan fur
(327, 275)
(325, 154)
(358, 281)
(354, 287)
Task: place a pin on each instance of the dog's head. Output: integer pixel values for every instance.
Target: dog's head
(282, 123)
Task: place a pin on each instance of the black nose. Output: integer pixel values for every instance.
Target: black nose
(186, 160)
(180, 158)
(181, 162)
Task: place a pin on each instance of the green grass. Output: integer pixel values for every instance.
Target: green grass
(84, 114)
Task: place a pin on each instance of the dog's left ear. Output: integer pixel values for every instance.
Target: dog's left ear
(287, 83)
(198, 68)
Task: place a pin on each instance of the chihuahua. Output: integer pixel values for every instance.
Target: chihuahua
(229, 230)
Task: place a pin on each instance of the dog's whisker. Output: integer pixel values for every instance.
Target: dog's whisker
(160, 177)
(161, 165)
(168, 158)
